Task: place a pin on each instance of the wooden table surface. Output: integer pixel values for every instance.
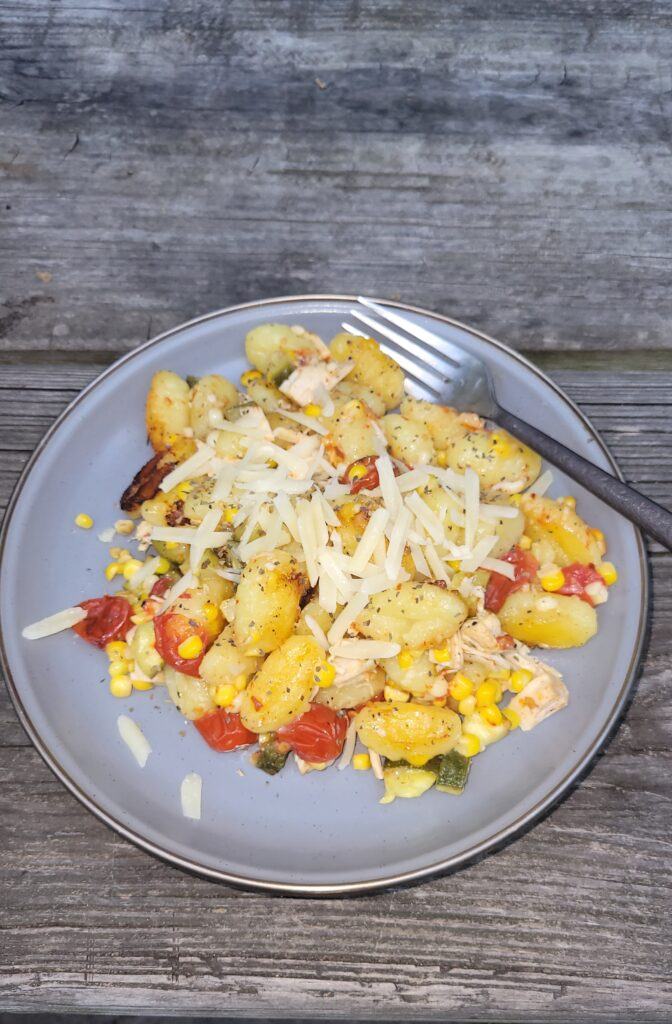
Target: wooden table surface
(507, 164)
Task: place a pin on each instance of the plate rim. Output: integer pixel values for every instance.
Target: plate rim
(438, 868)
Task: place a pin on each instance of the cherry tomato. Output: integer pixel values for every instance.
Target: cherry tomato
(499, 587)
(163, 584)
(316, 736)
(107, 618)
(577, 578)
(370, 479)
(171, 629)
(223, 730)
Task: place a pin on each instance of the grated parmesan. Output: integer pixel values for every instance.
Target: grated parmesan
(134, 738)
(365, 649)
(55, 623)
(190, 796)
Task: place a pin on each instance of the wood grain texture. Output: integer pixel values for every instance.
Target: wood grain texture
(569, 923)
(505, 163)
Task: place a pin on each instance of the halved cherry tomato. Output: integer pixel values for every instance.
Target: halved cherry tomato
(577, 578)
(171, 629)
(223, 730)
(107, 618)
(316, 736)
(499, 587)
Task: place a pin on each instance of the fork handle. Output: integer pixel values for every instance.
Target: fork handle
(651, 517)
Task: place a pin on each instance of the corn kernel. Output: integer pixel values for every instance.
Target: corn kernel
(112, 570)
(361, 762)
(124, 526)
(491, 714)
(607, 571)
(392, 693)
(512, 716)
(116, 649)
(468, 745)
(552, 581)
(162, 566)
(568, 502)
(440, 702)
(441, 654)
(211, 612)
(119, 667)
(442, 459)
(249, 375)
(122, 555)
(467, 705)
(130, 568)
(405, 659)
(515, 499)
(312, 410)
(519, 679)
(325, 675)
(501, 443)
(190, 648)
(230, 514)
(225, 695)
(115, 552)
(142, 684)
(240, 682)
(357, 471)
(486, 693)
(121, 686)
(525, 543)
(83, 521)
(460, 687)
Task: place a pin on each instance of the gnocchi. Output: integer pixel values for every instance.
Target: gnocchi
(418, 615)
(327, 569)
(267, 602)
(281, 690)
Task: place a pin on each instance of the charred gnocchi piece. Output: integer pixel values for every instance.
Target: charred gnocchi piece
(146, 482)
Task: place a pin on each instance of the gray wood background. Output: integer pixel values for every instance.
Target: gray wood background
(506, 163)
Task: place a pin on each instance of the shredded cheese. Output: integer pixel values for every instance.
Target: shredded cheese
(190, 796)
(365, 649)
(55, 623)
(190, 467)
(353, 608)
(134, 738)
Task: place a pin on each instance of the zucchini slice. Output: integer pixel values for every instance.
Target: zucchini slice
(453, 772)
(271, 757)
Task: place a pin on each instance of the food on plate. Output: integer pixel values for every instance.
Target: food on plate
(316, 571)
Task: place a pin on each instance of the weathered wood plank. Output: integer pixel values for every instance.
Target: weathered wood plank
(507, 165)
(568, 923)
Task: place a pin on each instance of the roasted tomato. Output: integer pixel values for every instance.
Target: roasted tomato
(223, 730)
(368, 480)
(145, 483)
(578, 578)
(499, 587)
(162, 585)
(172, 629)
(316, 736)
(107, 618)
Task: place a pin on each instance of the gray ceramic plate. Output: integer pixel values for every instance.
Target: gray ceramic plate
(325, 833)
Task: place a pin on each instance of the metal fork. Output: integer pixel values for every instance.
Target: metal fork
(444, 372)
